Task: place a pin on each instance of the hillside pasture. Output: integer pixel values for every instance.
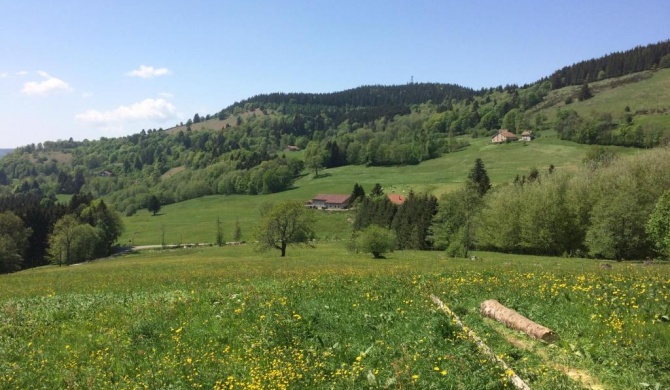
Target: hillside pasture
(193, 221)
(323, 318)
(646, 94)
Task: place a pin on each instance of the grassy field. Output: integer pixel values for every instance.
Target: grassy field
(651, 93)
(230, 318)
(195, 220)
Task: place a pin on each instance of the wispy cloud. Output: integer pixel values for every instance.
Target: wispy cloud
(166, 95)
(4, 75)
(147, 109)
(147, 72)
(21, 73)
(42, 88)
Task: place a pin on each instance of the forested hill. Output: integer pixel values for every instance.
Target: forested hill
(616, 64)
(366, 96)
(5, 151)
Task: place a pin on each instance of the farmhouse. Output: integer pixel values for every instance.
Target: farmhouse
(396, 199)
(292, 148)
(503, 136)
(330, 202)
(527, 135)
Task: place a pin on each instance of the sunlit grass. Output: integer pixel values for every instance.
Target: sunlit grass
(324, 318)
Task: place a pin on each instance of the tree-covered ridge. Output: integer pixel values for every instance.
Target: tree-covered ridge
(616, 64)
(365, 96)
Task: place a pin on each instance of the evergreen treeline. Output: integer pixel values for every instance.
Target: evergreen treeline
(411, 220)
(617, 64)
(364, 96)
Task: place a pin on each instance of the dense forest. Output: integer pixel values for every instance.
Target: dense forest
(255, 151)
(613, 65)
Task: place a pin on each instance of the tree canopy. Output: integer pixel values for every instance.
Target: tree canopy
(285, 223)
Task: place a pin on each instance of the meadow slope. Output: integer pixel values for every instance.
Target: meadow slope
(194, 221)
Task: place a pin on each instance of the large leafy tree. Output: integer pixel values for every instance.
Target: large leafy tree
(454, 223)
(376, 240)
(73, 241)
(658, 226)
(13, 241)
(314, 157)
(285, 223)
(98, 215)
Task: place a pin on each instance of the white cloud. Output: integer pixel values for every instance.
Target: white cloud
(166, 95)
(22, 73)
(86, 94)
(147, 72)
(147, 109)
(4, 75)
(42, 88)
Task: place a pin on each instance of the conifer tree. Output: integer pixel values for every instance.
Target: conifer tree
(478, 179)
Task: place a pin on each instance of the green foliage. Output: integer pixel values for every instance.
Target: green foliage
(72, 241)
(374, 210)
(455, 220)
(358, 193)
(287, 222)
(412, 221)
(584, 93)
(10, 258)
(603, 211)
(664, 62)
(658, 226)
(376, 240)
(478, 178)
(617, 228)
(219, 241)
(130, 210)
(14, 237)
(154, 205)
(237, 231)
(108, 221)
(314, 157)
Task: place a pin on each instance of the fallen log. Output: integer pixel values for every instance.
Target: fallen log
(485, 349)
(512, 319)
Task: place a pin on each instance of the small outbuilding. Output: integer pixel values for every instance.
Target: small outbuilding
(527, 135)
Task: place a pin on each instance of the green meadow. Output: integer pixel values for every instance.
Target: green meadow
(194, 221)
(646, 94)
(322, 318)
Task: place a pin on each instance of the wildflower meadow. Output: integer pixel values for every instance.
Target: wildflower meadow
(229, 318)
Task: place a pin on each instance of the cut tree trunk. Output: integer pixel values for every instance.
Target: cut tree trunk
(485, 349)
(494, 309)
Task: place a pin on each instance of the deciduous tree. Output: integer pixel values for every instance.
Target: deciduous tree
(376, 240)
(288, 222)
(658, 226)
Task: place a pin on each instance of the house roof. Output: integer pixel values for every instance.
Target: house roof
(527, 132)
(332, 198)
(396, 198)
(507, 134)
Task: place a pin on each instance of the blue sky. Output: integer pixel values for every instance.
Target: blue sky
(91, 69)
